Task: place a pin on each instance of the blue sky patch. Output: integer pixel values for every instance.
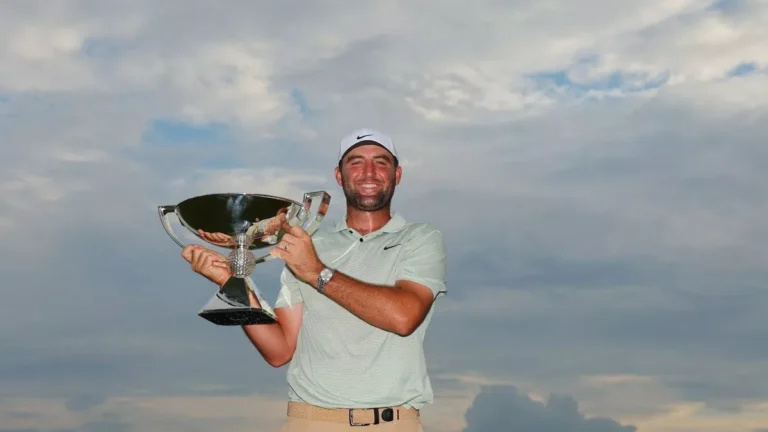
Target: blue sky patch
(211, 145)
(615, 80)
(301, 101)
(97, 47)
(726, 6)
(165, 132)
(743, 69)
(559, 78)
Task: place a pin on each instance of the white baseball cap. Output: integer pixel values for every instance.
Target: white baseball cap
(366, 136)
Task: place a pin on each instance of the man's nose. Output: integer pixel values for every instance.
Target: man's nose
(369, 169)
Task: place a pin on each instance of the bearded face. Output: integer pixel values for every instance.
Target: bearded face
(369, 194)
(369, 176)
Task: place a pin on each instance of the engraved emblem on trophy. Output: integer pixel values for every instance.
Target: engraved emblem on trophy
(243, 223)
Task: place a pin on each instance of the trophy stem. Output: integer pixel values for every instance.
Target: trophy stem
(239, 302)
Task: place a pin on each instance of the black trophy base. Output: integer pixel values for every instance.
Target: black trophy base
(232, 316)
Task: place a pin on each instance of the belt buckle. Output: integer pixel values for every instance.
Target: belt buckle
(352, 418)
(386, 414)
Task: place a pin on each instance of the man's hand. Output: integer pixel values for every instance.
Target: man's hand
(208, 263)
(299, 254)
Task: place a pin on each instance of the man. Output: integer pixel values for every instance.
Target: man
(354, 303)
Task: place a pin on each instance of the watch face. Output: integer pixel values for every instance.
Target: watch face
(326, 274)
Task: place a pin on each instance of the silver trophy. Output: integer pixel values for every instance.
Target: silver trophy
(242, 223)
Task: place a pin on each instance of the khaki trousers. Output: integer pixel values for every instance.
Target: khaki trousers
(305, 425)
(304, 418)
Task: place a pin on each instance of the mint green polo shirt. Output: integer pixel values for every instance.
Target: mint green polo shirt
(340, 360)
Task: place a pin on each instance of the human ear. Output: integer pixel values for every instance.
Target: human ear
(337, 173)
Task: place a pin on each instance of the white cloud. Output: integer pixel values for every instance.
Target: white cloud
(227, 82)
(36, 43)
(79, 155)
(27, 189)
(287, 183)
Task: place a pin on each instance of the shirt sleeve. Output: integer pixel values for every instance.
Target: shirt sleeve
(424, 262)
(290, 290)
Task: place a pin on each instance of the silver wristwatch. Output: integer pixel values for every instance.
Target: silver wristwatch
(325, 275)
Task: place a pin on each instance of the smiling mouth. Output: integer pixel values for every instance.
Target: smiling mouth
(369, 186)
(369, 189)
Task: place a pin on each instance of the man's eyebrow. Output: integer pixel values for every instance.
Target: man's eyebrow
(355, 157)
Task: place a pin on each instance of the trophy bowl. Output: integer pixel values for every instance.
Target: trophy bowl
(243, 223)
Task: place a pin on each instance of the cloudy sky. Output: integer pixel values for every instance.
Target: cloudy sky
(597, 167)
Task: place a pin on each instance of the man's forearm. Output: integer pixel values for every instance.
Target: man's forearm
(386, 307)
(270, 340)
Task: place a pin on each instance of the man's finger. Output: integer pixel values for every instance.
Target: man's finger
(206, 261)
(186, 253)
(192, 248)
(200, 253)
(197, 256)
(214, 260)
(286, 247)
(296, 231)
(277, 252)
(202, 257)
(194, 255)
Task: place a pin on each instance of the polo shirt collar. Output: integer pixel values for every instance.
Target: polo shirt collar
(395, 224)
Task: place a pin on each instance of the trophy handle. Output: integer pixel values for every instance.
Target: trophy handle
(325, 200)
(302, 216)
(164, 211)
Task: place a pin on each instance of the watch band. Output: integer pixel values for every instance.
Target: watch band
(325, 275)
